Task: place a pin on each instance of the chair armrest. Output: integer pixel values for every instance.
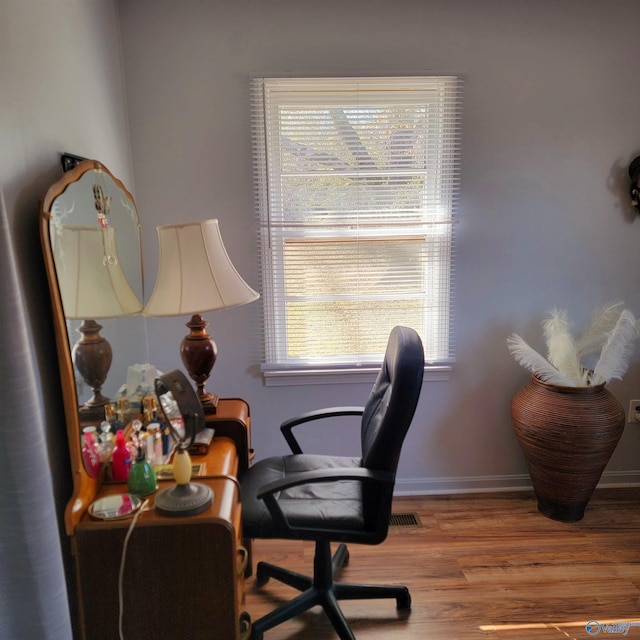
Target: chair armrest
(267, 492)
(330, 412)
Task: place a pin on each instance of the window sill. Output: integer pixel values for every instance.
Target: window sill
(367, 375)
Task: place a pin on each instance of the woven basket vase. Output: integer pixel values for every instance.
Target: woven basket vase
(567, 435)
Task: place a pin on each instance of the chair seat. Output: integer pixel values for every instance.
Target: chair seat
(332, 505)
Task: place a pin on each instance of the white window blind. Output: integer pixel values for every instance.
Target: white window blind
(356, 182)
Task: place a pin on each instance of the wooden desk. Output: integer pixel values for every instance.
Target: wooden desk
(232, 420)
(183, 577)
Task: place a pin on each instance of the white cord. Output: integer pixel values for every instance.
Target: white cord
(121, 573)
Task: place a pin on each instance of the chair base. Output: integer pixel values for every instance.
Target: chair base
(322, 590)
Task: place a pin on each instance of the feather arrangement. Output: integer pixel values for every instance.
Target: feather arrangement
(611, 334)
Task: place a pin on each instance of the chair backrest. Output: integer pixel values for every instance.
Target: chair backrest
(393, 399)
(386, 419)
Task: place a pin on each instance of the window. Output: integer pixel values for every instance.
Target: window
(356, 182)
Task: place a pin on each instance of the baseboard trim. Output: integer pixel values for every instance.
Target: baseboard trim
(483, 484)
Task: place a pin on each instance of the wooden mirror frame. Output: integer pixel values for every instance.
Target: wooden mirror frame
(85, 487)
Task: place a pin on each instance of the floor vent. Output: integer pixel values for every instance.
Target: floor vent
(404, 520)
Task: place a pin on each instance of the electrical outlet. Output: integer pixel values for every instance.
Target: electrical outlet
(634, 411)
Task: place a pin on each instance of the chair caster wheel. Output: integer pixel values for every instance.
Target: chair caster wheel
(262, 577)
(404, 602)
(341, 556)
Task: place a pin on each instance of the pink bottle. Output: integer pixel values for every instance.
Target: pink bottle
(91, 456)
(120, 459)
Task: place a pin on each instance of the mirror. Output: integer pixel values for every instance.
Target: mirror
(185, 416)
(181, 407)
(115, 507)
(90, 237)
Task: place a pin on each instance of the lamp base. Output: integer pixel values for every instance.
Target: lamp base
(209, 402)
(184, 499)
(199, 353)
(91, 415)
(92, 358)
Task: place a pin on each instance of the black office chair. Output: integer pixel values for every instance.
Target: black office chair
(335, 498)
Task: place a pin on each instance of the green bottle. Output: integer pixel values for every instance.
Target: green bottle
(142, 479)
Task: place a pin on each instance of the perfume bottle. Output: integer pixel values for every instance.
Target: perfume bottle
(158, 448)
(142, 477)
(120, 459)
(153, 429)
(106, 441)
(122, 410)
(91, 455)
(150, 406)
(111, 416)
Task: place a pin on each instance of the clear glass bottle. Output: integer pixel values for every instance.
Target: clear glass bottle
(106, 441)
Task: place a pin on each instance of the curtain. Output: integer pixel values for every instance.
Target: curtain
(33, 596)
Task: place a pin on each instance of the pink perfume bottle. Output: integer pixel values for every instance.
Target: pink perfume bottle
(91, 456)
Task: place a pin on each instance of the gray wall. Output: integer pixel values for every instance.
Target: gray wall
(61, 89)
(551, 121)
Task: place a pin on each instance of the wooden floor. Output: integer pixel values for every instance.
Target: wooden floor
(482, 566)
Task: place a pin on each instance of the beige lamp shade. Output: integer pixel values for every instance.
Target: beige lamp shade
(195, 273)
(92, 283)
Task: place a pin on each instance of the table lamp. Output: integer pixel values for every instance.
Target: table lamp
(195, 274)
(92, 286)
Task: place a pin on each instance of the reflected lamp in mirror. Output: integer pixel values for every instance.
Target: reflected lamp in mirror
(92, 286)
(195, 275)
(185, 416)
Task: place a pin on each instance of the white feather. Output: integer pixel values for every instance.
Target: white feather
(534, 362)
(597, 333)
(616, 353)
(561, 348)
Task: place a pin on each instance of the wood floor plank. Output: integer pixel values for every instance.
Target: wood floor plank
(481, 566)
